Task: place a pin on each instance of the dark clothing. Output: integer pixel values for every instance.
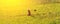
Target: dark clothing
(29, 13)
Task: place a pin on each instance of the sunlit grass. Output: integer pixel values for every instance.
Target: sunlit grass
(15, 12)
(37, 18)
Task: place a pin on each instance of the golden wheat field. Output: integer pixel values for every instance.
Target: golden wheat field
(16, 12)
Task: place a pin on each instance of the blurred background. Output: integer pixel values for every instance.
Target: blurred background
(43, 11)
